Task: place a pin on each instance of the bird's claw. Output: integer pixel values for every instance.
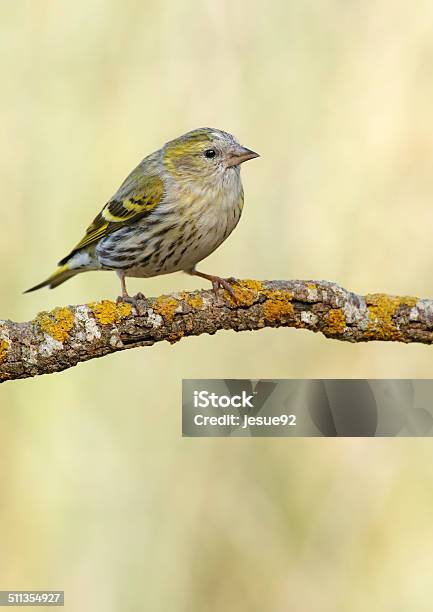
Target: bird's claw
(224, 283)
(232, 280)
(139, 296)
(128, 299)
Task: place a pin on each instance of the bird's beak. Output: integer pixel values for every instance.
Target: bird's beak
(239, 155)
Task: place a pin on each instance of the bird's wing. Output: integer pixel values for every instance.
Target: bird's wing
(126, 207)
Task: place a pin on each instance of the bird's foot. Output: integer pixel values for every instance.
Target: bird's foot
(217, 282)
(128, 299)
(232, 280)
(224, 283)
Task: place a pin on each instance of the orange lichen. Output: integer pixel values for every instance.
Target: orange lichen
(175, 337)
(245, 291)
(166, 307)
(194, 300)
(109, 313)
(278, 294)
(381, 310)
(4, 347)
(278, 306)
(335, 322)
(57, 323)
(253, 285)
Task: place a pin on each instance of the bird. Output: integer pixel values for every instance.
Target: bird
(173, 210)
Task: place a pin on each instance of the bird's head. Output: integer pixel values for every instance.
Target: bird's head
(205, 153)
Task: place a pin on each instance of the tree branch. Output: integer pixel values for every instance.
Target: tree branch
(60, 339)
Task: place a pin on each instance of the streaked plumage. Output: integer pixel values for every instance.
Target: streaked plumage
(172, 211)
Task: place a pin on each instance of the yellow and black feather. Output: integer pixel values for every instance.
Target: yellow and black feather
(121, 211)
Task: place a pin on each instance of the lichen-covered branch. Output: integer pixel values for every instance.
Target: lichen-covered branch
(60, 339)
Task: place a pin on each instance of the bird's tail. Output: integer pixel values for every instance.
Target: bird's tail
(60, 276)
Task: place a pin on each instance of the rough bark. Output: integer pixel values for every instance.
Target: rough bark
(60, 339)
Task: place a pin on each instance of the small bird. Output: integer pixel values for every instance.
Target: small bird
(178, 205)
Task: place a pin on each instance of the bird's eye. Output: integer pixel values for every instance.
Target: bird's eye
(209, 153)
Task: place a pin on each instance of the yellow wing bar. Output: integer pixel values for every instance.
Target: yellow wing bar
(122, 211)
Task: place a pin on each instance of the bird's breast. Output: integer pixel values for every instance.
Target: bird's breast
(188, 225)
(213, 209)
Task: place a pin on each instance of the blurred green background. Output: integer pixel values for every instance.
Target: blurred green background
(100, 496)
